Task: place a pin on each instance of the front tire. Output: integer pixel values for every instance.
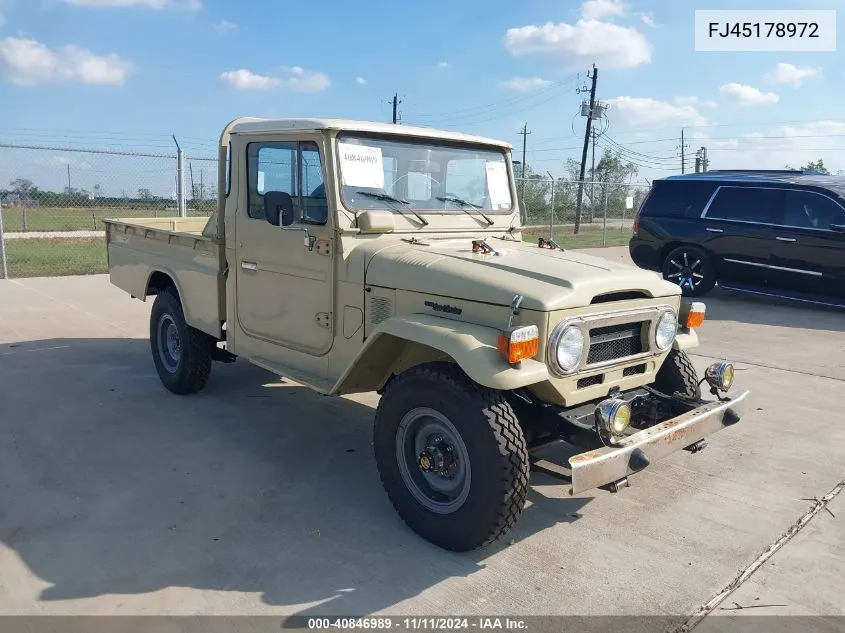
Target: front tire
(690, 268)
(451, 456)
(181, 353)
(678, 376)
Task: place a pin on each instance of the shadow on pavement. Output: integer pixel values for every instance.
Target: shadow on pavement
(111, 485)
(725, 305)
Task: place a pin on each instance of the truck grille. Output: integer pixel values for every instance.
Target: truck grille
(613, 342)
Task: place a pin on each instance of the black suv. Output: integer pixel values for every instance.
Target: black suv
(768, 232)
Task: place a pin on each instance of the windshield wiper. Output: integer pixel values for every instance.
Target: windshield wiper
(388, 198)
(463, 204)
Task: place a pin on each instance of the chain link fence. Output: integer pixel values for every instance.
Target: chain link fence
(607, 211)
(53, 201)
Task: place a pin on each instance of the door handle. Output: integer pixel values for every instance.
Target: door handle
(716, 230)
(249, 265)
(786, 239)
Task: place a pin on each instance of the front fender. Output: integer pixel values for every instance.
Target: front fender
(472, 347)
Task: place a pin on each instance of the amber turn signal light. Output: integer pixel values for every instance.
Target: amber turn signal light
(695, 317)
(519, 343)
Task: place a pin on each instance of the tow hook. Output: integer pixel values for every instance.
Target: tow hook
(699, 446)
(616, 486)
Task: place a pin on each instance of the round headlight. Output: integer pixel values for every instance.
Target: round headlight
(667, 329)
(614, 415)
(570, 348)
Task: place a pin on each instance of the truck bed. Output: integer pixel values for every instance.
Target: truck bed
(142, 251)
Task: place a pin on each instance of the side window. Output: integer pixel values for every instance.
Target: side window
(806, 209)
(747, 204)
(270, 167)
(314, 206)
(681, 198)
(292, 168)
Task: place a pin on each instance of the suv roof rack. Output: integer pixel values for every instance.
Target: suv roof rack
(758, 171)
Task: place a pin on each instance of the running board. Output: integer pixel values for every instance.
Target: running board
(830, 302)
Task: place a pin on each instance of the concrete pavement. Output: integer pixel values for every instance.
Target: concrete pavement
(259, 496)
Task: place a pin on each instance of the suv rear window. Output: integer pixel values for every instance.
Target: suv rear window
(680, 198)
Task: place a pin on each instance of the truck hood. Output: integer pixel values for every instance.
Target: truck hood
(547, 279)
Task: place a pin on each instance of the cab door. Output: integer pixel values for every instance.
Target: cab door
(740, 233)
(284, 274)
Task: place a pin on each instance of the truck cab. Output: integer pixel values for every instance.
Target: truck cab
(355, 256)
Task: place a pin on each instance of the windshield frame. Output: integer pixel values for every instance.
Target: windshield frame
(455, 144)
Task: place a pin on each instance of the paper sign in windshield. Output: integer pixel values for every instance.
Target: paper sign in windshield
(497, 184)
(361, 166)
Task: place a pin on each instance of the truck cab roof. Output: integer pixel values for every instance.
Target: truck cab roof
(264, 126)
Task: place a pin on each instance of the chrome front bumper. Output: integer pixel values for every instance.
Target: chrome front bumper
(609, 464)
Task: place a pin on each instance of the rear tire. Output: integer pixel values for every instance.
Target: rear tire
(451, 456)
(181, 353)
(677, 375)
(690, 268)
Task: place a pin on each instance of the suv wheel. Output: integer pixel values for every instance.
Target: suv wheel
(690, 267)
(451, 456)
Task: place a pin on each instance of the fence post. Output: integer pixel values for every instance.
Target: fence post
(181, 202)
(5, 268)
(604, 230)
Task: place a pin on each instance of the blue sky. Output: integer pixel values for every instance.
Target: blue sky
(129, 73)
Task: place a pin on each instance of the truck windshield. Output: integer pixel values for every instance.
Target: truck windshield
(425, 176)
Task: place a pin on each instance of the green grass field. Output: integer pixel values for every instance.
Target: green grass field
(54, 257)
(77, 218)
(48, 257)
(589, 236)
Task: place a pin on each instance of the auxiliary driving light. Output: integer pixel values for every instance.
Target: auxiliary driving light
(614, 415)
(720, 375)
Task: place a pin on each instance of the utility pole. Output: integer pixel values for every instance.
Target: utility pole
(682, 150)
(396, 102)
(593, 179)
(590, 114)
(524, 132)
(705, 163)
(68, 178)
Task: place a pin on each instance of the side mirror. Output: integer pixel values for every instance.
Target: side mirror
(278, 205)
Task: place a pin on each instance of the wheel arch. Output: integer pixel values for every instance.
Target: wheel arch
(400, 343)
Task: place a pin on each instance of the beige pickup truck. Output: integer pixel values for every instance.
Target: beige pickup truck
(355, 256)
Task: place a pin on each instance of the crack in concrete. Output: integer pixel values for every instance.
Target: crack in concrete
(821, 504)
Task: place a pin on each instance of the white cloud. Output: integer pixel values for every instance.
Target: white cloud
(525, 84)
(224, 26)
(780, 146)
(647, 111)
(443, 64)
(745, 95)
(596, 9)
(648, 19)
(296, 79)
(301, 80)
(360, 80)
(695, 102)
(793, 75)
(243, 79)
(190, 5)
(26, 62)
(587, 41)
